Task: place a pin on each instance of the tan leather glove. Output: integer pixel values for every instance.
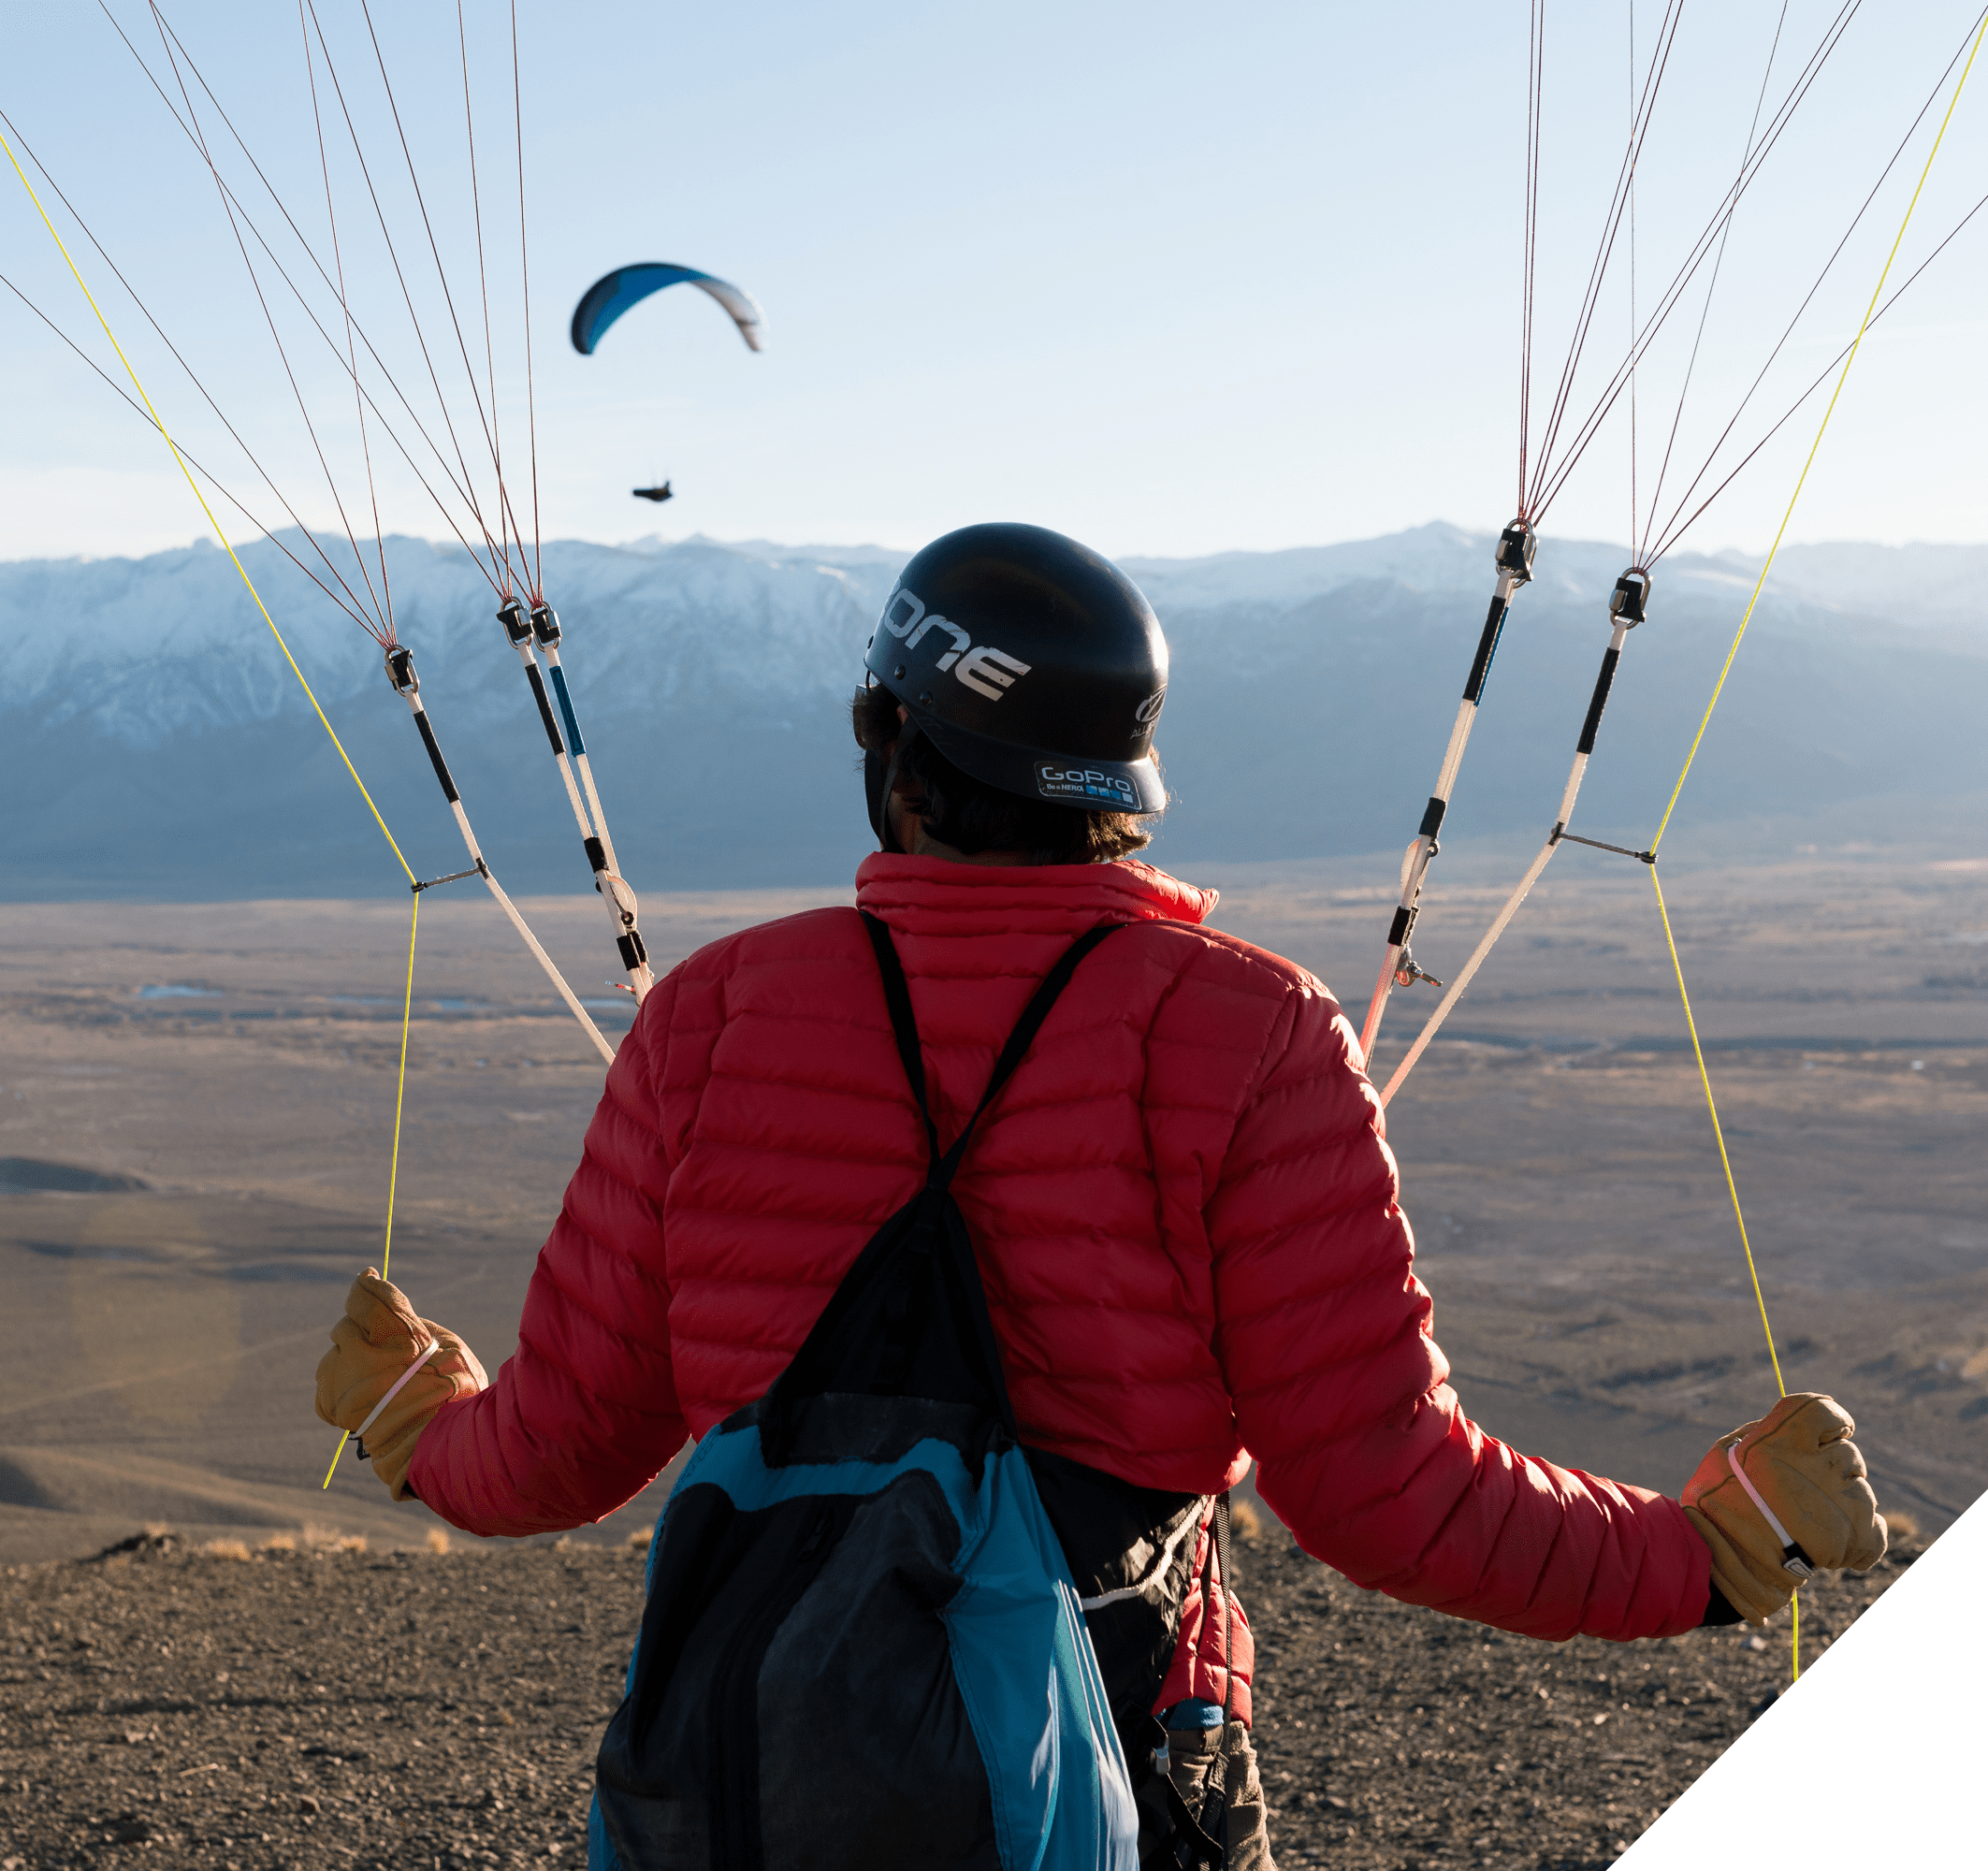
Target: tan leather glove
(1809, 1478)
(380, 1343)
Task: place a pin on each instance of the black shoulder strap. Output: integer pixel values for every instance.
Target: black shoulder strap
(897, 997)
(910, 1317)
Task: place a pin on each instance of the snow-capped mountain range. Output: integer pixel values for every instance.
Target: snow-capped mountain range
(153, 741)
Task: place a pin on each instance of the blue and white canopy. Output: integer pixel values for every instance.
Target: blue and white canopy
(614, 293)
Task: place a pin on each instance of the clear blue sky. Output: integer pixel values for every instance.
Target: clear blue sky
(1170, 278)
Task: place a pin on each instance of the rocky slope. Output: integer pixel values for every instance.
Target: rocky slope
(315, 1705)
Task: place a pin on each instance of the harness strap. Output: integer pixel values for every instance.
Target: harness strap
(904, 1023)
(898, 998)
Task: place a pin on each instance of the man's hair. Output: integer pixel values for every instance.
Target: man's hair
(973, 817)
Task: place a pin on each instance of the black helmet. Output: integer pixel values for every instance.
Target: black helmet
(1031, 663)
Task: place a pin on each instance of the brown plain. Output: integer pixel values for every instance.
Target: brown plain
(188, 1179)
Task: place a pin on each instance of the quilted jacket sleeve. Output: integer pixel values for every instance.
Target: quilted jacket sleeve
(1342, 1395)
(585, 1415)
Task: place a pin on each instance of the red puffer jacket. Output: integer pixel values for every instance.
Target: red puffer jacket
(1184, 1212)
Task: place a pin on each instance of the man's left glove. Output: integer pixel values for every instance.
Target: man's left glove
(387, 1372)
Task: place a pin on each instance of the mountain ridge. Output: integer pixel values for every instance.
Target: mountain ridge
(155, 746)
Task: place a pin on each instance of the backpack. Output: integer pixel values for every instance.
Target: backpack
(863, 1643)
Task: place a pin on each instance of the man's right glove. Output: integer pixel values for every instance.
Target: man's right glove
(387, 1372)
(1782, 1498)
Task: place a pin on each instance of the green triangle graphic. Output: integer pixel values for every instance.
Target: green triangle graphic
(1877, 1754)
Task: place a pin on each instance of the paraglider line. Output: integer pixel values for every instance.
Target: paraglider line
(1535, 76)
(209, 511)
(467, 483)
(1671, 538)
(386, 630)
(208, 474)
(407, 1010)
(524, 260)
(352, 356)
(1612, 225)
(1550, 482)
(1822, 429)
(483, 281)
(393, 1174)
(350, 603)
(1704, 312)
(283, 272)
(1725, 1161)
(441, 272)
(1674, 532)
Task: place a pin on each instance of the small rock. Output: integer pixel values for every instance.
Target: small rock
(308, 1803)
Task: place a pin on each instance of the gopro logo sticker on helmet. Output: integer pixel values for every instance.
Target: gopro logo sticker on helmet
(1085, 786)
(987, 671)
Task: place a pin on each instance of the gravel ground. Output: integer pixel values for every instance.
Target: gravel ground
(1391, 1739)
(318, 1705)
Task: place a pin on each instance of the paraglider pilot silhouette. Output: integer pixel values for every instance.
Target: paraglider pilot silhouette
(983, 1234)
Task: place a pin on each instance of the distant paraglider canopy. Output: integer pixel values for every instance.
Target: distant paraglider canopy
(657, 494)
(614, 293)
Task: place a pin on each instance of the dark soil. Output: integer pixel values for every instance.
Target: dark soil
(324, 1706)
(1392, 1738)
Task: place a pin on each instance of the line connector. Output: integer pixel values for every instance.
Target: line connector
(1408, 971)
(1517, 544)
(478, 869)
(511, 614)
(1630, 600)
(1595, 844)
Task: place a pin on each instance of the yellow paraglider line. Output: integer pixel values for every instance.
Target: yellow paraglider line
(407, 1008)
(1711, 1104)
(392, 1178)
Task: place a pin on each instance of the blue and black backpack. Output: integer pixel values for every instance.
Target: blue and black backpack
(864, 1642)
